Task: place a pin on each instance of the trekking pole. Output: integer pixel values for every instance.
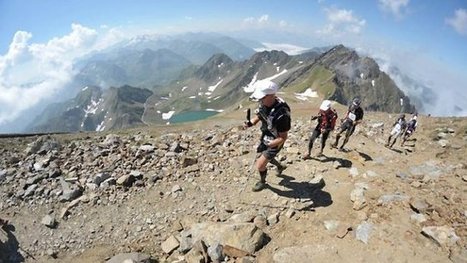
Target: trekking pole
(257, 155)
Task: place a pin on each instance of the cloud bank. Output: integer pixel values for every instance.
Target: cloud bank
(459, 21)
(341, 22)
(34, 72)
(436, 86)
(397, 8)
(287, 48)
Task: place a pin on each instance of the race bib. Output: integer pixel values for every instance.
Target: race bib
(267, 139)
(352, 116)
(397, 128)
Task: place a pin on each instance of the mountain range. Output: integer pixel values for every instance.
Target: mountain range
(162, 77)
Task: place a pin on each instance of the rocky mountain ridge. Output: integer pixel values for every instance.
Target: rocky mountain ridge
(222, 84)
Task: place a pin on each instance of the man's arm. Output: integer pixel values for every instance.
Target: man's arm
(282, 136)
(255, 120)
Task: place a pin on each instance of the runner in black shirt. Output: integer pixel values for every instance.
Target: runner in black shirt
(274, 115)
(353, 117)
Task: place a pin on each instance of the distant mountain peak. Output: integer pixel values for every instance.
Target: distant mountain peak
(216, 66)
(361, 76)
(273, 55)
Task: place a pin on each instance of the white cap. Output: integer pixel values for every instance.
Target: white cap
(263, 88)
(325, 105)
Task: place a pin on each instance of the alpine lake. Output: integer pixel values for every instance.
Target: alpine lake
(191, 116)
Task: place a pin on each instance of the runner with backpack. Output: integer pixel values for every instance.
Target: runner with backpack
(326, 117)
(352, 118)
(274, 115)
(398, 128)
(410, 129)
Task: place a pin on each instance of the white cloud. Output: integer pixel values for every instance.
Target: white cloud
(16, 51)
(342, 21)
(77, 43)
(263, 19)
(249, 20)
(459, 21)
(16, 99)
(263, 22)
(287, 48)
(109, 37)
(446, 83)
(395, 7)
(33, 72)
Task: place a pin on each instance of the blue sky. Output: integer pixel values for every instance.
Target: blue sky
(39, 40)
(414, 24)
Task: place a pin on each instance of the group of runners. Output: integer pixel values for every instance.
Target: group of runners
(274, 115)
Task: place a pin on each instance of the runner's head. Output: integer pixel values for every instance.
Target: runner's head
(265, 92)
(325, 105)
(356, 101)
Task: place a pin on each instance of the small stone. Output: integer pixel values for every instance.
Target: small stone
(331, 225)
(290, 213)
(260, 222)
(442, 235)
(273, 219)
(51, 253)
(228, 208)
(342, 230)
(170, 245)
(176, 188)
(49, 221)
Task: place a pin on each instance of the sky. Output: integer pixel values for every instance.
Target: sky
(40, 40)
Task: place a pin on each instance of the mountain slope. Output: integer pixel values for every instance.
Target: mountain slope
(94, 109)
(340, 74)
(219, 84)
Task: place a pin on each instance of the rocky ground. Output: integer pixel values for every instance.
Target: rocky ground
(183, 194)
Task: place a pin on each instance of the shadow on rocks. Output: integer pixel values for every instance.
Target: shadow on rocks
(303, 191)
(365, 156)
(396, 150)
(9, 249)
(342, 162)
